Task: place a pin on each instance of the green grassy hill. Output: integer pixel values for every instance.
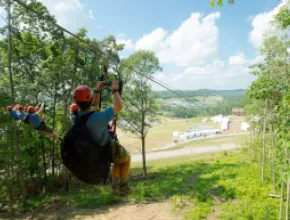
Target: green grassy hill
(217, 186)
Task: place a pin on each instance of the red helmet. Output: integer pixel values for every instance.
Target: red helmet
(9, 108)
(73, 107)
(20, 108)
(31, 109)
(83, 94)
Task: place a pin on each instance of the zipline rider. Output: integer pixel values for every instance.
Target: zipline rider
(97, 123)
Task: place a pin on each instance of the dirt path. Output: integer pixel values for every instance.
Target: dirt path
(183, 151)
(152, 211)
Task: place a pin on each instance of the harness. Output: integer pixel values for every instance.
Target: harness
(26, 119)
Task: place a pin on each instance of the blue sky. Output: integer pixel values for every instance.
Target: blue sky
(198, 46)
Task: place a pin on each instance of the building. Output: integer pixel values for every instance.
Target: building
(196, 134)
(217, 119)
(238, 111)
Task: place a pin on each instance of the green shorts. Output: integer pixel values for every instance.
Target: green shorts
(119, 153)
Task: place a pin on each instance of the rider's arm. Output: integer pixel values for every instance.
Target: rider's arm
(118, 105)
(40, 110)
(96, 97)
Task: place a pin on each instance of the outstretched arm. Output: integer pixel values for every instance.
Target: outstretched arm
(40, 110)
(118, 104)
(97, 92)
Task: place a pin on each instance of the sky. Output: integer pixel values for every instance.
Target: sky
(198, 47)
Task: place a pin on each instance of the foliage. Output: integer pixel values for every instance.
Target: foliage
(200, 92)
(219, 3)
(268, 104)
(140, 105)
(222, 107)
(193, 183)
(46, 65)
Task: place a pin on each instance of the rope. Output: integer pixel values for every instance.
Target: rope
(101, 51)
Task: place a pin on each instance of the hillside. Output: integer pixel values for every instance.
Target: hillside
(201, 92)
(225, 186)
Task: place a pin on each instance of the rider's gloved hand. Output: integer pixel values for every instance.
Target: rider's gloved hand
(115, 85)
(100, 85)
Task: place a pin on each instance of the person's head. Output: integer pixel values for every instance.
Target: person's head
(74, 107)
(20, 108)
(31, 110)
(9, 108)
(83, 97)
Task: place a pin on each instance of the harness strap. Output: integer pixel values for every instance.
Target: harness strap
(82, 119)
(26, 119)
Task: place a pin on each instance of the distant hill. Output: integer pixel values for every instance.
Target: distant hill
(200, 92)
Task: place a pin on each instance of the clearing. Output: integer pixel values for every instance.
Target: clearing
(165, 128)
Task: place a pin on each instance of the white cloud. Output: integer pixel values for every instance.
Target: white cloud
(215, 75)
(91, 15)
(221, 79)
(260, 24)
(121, 35)
(128, 44)
(258, 59)
(68, 5)
(194, 42)
(2, 22)
(215, 68)
(151, 41)
(238, 59)
(69, 13)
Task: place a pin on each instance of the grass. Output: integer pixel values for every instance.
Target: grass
(164, 130)
(193, 183)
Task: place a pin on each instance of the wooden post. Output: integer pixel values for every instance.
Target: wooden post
(288, 199)
(281, 201)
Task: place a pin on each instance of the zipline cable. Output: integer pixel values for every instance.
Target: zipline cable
(94, 46)
(156, 81)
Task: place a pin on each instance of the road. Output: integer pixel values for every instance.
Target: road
(137, 157)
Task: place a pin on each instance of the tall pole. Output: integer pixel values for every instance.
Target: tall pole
(16, 136)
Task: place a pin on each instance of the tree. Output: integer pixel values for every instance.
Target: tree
(268, 98)
(220, 2)
(140, 105)
(16, 134)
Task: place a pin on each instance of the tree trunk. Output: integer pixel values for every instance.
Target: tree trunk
(281, 201)
(44, 165)
(53, 127)
(9, 187)
(288, 199)
(144, 156)
(16, 135)
(272, 161)
(264, 139)
(66, 173)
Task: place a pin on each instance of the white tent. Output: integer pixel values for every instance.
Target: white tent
(176, 133)
(245, 126)
(217, 119)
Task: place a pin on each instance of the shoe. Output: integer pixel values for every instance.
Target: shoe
(125, 190)
(115, 190)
